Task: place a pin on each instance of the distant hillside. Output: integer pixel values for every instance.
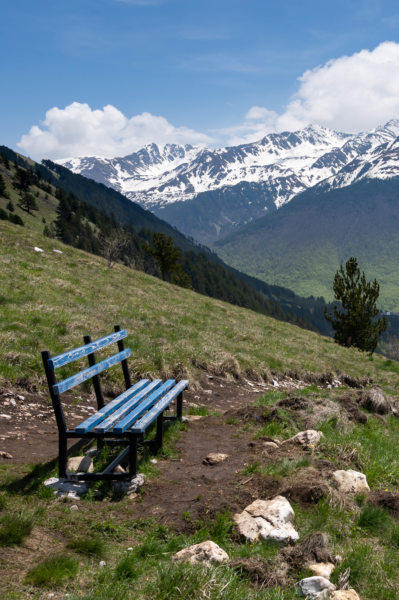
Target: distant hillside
(302, 244)
(62, 214)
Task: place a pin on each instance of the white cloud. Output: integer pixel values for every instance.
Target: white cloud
(77, 130)
(350, 93)
(257, 122)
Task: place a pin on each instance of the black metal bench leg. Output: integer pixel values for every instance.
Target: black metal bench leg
(62, 456)
(133, 456)
(159, 435)
(179, 406)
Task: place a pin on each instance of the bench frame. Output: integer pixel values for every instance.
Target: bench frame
(127, 437)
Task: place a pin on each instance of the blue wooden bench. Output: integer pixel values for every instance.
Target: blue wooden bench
(125, 419)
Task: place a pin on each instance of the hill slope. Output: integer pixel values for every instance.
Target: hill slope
(302, 245)
(49, 300)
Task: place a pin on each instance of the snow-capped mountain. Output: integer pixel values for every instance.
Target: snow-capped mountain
(171, 178)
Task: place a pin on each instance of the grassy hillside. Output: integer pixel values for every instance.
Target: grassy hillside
(302, 245)
(49, 300)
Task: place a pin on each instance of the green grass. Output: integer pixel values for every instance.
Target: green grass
(53, 571)
(173, 331)
(90, 546)
(14, 528)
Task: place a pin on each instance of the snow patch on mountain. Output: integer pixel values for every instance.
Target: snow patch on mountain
(287, 163)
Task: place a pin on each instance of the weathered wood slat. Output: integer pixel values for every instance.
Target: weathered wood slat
(76, 353)
(127, 407)
(101, 414)
(141, 425)
(71, 382)
(143, 407)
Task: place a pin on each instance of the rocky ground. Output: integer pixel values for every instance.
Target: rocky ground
(223, 463)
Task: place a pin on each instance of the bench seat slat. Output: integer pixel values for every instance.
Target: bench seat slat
(126, 408)
(123, 425)
(106, 410)
(76, 353)
(71, 382)
(142, 424)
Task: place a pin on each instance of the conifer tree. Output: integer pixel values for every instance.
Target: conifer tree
(165, 253)
(3, 189)
(355, 321)
(28, 203)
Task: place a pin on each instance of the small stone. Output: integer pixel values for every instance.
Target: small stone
(130, 486)
(4, 454)
(21, 398)
(36, 249)
(344, 595)
(270, 446)
(13, 402)
(57, 251)
(215, 458)
(322, 569)
(119, 469)
(207, 553)
(4, 416)
(351, 482)
(316, 587)
(102, 563)
(307, 438)
(129, 549)
(191, 418)
(153, 461)
(80, 464)
(74, 507)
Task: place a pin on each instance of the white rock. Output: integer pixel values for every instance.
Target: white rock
(344, 595)
(64, 487)
(36, 249)
(267, 519)
(270, 445)
(307, 438)
(80, 464)
(102, 563)
(153, 461)
(316, 587)
(20, 397)
(206, 552)
(74, 507)
(57, 251)
(275, 383)
(130, 486)
(13, 402)
(4, 416)
(322, 569)
(215, 458)
(351, 482)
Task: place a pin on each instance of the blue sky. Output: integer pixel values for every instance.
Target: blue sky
(201, 65)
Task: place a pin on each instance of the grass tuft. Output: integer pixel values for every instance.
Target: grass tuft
(53, 571)
(88, 546)
(14, 528)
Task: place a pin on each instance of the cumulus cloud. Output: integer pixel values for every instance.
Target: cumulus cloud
(78, 130)
(350, 93)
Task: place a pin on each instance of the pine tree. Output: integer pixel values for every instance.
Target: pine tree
(27, 203)
(357, 324)
(165, 253)
(3, 189)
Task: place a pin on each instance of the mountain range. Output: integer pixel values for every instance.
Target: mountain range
(207, 193)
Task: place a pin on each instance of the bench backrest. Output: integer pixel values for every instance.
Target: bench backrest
(51, 363)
